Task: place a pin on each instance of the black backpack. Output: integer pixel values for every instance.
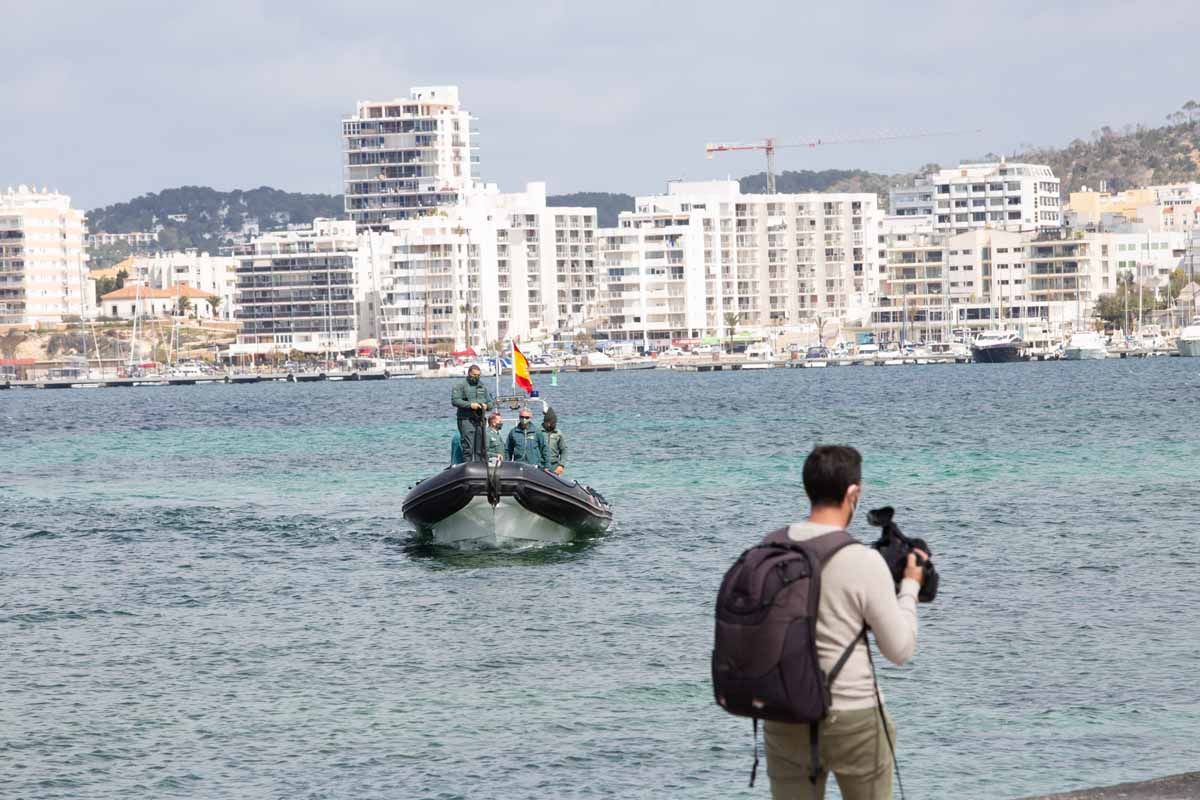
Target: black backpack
(764, 661)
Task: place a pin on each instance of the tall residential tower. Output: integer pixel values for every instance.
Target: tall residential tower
(404, 158)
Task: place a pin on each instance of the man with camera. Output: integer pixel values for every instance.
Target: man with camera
(858, 590)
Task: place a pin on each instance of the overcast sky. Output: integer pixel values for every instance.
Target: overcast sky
(108, 100)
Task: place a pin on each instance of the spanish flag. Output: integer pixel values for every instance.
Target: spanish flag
(521, 370)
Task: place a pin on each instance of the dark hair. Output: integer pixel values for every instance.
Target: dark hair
(829, 471)
(474, 367)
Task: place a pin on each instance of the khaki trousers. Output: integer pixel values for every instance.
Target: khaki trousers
(853, 748)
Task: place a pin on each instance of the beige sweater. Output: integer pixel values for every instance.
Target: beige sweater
(856, 586)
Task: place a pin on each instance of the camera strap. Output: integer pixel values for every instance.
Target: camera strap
(882, 718)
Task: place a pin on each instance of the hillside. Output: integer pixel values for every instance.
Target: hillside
(607, 204)
(204, 218)
(1134, 156)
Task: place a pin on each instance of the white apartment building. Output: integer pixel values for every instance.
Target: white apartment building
(405, 158)
(1075, 267)
(679, 263)
(493, 267)
(133, 239)
(940, 285)
(215, 276)
(1008, 196)
(42, 258)
(296, 290)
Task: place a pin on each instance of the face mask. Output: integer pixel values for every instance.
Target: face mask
(473, 379)
(525, 422)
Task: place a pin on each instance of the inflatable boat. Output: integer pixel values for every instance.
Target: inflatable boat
(504, 504)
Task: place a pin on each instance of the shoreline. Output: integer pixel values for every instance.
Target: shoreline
(1184, 786)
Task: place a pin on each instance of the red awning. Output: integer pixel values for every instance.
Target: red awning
(468, 353)
(17, 362)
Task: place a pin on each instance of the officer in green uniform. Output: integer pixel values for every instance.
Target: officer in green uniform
(556, 444)
(525, 442)
(495, 440)
(471, 399)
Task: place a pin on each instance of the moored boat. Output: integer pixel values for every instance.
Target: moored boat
(1189, 339)
(997, 347)
(1085, 346)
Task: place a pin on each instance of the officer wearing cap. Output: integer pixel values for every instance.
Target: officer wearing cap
(471, 399)
(525, 442)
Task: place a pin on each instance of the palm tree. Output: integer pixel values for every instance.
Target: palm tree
(731, 322)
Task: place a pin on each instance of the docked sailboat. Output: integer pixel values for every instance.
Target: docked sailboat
(995, 347)
(1085, 346)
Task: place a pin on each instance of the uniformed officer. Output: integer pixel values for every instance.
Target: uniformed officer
(556, 444)
(471, 399)
(495, 440)
(525, 442)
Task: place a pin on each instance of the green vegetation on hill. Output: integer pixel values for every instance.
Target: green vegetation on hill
(206, 218)
(1135, 156)
(607, 204)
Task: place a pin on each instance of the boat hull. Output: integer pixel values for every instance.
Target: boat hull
(1189, 347)
(1003, 354)
(1085, 354)
(507, 505)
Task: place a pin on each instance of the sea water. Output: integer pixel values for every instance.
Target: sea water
(210, 591)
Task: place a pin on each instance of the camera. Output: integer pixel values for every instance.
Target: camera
(894, 546)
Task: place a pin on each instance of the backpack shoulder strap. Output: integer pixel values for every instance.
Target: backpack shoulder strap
(827, 544)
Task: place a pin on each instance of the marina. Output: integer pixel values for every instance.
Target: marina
(87, 380)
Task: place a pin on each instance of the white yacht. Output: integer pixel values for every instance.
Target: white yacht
(1085, 346)
(1189, 339)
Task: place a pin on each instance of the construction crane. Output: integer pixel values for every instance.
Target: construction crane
(770, 146)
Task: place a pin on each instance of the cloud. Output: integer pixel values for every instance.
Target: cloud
(109, 100)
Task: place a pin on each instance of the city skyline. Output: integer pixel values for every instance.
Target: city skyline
(242, 95)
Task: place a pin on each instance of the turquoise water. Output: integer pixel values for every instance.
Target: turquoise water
(210, 591)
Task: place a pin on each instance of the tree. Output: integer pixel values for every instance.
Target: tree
(214, 302)
(184, 306)
(731, 322)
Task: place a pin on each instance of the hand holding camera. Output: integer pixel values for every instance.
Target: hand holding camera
(905, 557)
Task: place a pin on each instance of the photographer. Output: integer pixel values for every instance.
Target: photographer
(857, 590)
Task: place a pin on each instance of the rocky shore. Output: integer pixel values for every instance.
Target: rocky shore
(1185, 786)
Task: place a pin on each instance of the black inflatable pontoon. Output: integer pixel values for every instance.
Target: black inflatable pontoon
(509, 503)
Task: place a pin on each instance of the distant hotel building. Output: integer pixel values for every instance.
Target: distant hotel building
(1168, 207)
(1019, 197)
(679, 263)
(405, 158)
(42, 258)
(296, 290)
(133, 239)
